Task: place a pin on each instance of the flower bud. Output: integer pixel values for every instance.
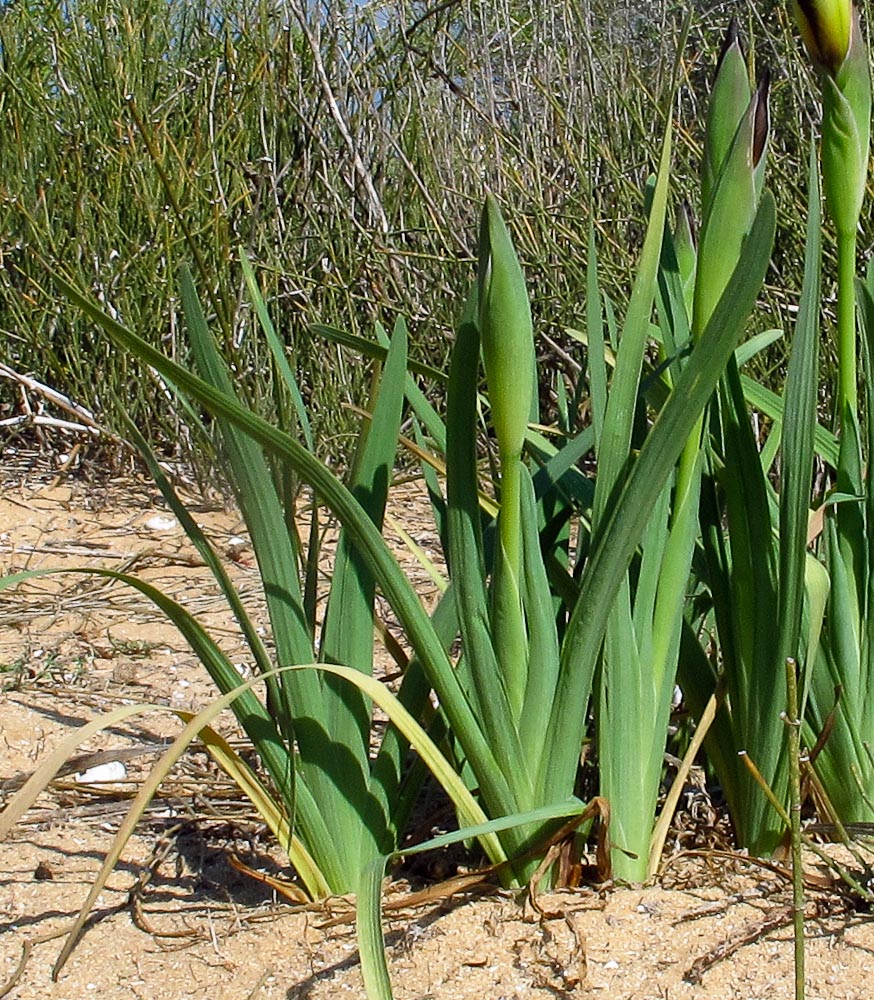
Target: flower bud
(729, 99)
(506, 331)
(687, 253)
(825, 27)
(846, 131)
(732, 207)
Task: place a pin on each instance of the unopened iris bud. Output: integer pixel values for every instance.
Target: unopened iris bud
(825, 27)
(687, 253)
(506, 331)
(732, 207)
(729, 99)
(832, 36)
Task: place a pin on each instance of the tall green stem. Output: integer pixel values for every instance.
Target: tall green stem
(677, 556)
(793, 724)
(508, 620)
(511, 507)
(847, 380)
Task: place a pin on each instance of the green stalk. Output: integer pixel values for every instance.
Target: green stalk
(793, 724)
(511, 512)
(847, 379)
(677, 555)
(508, 620)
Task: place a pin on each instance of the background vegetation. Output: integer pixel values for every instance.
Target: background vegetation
(346, 148)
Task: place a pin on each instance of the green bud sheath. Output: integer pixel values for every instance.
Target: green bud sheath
(687, 254)
(506, 331)
(732, 208)
(729, 100)
(846, 133)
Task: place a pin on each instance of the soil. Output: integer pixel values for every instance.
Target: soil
(177, 919)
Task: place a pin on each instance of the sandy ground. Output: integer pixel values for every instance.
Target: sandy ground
(177, 920)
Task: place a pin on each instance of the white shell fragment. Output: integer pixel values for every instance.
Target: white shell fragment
(160, 523)
(113, 770)
(235, 547)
